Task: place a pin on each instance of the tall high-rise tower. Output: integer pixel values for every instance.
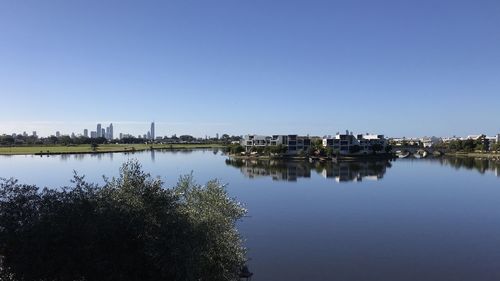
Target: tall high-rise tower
(110, 131)
(86, 133)
(152, 131)
(99, 131)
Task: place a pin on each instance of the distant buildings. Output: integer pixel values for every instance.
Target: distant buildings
(485, 141)
(361, 144)
(100, 132)
(428, 142)
(342, 143)
(152, 131)
(293, 143)
(108, 133)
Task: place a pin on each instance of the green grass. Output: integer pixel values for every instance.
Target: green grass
(103, 148)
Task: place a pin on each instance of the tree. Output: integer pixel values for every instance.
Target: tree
(468, 145)
(377, 147)
(278, 149)
(328, 151)
(310, 151)
(131, 228)
(496, 147)
(388, 148)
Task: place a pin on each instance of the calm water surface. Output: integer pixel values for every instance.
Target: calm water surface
(402, 220)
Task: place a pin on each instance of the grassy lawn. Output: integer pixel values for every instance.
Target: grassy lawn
(86, 148)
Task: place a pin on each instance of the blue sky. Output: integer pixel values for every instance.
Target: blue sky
(397, 67)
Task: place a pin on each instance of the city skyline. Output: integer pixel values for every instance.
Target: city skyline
(142, 132)
(421, 68)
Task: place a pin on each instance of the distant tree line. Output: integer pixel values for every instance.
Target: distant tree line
(469, 145)
(17, 140)
(131, 228)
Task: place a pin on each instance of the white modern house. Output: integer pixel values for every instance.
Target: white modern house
(428, 142)
(346, 143)
(361, 144)
(249, 141)
(294, 143)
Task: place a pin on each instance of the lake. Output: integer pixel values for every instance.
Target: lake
(408, 219)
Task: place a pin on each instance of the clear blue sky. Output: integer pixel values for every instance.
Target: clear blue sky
(397, 67)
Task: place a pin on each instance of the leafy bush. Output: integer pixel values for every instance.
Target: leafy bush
(235, 149)
(131, 228)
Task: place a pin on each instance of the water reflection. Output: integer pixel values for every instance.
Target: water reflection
(292, 170)
(480, 165)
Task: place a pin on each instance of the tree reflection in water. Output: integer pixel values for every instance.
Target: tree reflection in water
(480, 165)
(282, 170)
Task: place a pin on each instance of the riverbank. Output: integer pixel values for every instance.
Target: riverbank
(103, 148)
(315, 158)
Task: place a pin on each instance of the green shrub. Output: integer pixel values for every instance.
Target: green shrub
(131, 228)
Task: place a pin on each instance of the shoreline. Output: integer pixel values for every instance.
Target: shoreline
(106, 148)
(314, 158)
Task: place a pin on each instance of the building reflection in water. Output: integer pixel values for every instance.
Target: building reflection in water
(292, 170)
(348, 171)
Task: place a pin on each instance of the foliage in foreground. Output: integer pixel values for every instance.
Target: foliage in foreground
(132, 228)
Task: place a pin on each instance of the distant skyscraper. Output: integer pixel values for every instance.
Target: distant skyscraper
(149, 135)
(99, 131)
(152, 131)
(34, 133)
(58, 134)
(86, 133)
(103, 133)
(93, 134)
(111, 131)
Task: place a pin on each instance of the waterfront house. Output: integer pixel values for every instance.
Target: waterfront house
(294, 143)
(428, 142)
(481, 139)
(361, 144)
